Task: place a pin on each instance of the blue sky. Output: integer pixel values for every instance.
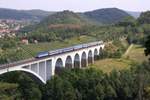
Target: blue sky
(76, 5)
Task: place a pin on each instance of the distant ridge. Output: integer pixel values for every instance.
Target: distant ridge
(100, 16)
(23, 14)
(107, 15)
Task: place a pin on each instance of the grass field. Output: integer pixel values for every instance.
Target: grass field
(134, 56)
(107, 65)
(136, 53)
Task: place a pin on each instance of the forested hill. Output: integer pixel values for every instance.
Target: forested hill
(23, 14)
(107, 15)
(100, 16)
(60, 25)
(67, 24)
(64, 17)
(61, 20)
(69, 19)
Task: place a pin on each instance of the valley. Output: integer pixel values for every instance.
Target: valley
(34, 66)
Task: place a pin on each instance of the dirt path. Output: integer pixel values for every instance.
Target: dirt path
(127, 51)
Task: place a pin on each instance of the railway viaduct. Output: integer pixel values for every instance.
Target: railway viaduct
(44, 68)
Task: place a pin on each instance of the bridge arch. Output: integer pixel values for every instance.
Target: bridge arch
(90, 57)
(31, 73)
(68, 62)
(83, 60)
(95, 54)
(58, 65)
(76, 61)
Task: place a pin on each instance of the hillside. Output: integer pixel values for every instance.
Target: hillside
(57, 26)
(64, 17)
(66, 24)
(68, 19)
(106, 16)
(23, 14)
(40, 14)
(61, 20)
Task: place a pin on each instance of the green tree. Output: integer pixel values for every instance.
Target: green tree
(58, 89)
(144, 18)
(28, 89)
(9, 91)
(147, 46)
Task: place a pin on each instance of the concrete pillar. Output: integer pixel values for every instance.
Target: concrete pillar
(38, 68)
(45, 70)
(80, 61)
(63, 61)
(34, 68)
(98, 51)
(29, 67)
(42, 70)
(53, 67)
(72, 57)
(87, 57)
(48, 69)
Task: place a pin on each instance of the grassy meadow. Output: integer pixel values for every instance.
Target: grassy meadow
(134, 56)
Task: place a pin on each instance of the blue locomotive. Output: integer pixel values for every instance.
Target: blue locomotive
(42, 54)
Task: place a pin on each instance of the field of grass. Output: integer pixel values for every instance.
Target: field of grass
(107, 65)
(134, 56)
(136, 53)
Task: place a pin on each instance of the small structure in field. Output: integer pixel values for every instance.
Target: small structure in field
(25, 41)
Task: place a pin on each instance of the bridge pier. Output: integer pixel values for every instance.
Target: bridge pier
(34, 68)
(42, 70)
(48, 69)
